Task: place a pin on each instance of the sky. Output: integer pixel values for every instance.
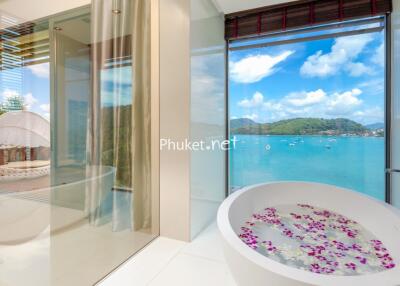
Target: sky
(330, 78)
(33, 86)
(116, 86)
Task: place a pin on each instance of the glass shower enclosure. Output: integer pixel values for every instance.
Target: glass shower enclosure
(74, 201)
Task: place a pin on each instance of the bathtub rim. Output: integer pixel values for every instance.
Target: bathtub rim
(106, 171)
(111, 170)
(231, 238)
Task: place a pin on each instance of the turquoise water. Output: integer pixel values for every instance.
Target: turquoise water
(356, 163)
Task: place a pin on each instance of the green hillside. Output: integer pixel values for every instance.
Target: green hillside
(118, 156)
(242, 122)
(304, 126)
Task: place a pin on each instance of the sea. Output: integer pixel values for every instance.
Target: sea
(352, 162)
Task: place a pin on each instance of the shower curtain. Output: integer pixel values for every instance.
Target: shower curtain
(141, 115)
(118, 136)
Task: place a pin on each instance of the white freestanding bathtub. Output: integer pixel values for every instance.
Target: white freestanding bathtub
(22, 217)
(250, 268)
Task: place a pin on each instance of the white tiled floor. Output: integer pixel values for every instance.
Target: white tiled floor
(46, 243)
(169, 262)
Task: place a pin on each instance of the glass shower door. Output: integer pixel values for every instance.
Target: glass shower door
(94, 210)
(76, 199)
(70, 79)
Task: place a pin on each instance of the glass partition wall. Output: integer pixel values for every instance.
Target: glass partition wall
(310, 106)
(394, 166)
(75, 183)
(25, 148)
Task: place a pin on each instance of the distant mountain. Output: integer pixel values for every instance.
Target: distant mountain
(303, 126)
(241, 123)
(375, 126)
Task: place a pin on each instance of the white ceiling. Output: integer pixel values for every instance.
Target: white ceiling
(202, 9)
(231, 6)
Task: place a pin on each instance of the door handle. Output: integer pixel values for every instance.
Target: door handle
(392, 171)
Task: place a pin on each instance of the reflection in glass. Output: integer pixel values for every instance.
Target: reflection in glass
(75, 179)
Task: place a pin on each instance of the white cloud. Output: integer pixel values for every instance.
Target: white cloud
(207, 87)
(343, 52)
(45, 107)
(340, 104)
(306, 98)
(254, 68)
(316, 103)
(29, 100)
(253, 116)
(358, 69)
(9, 93)
(346, 98)
(379, 56)
(374, 86)
(255, 101)
(41, 70)
(122, 75)
(369, 115)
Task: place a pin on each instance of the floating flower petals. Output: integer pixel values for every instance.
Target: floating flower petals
(318, 240)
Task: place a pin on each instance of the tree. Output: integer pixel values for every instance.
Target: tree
(13, 103)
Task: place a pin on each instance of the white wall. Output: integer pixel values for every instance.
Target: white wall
(207, 179)
(396, 100)
(28, 10)
(192, 106)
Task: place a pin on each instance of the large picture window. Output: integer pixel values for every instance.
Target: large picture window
(310, 107)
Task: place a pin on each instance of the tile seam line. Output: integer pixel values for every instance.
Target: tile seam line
(205, 257)
(165, 266)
